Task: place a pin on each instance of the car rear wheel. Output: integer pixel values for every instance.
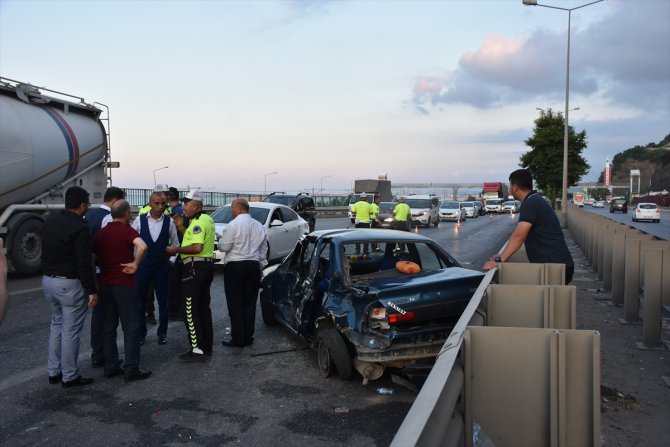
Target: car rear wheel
(332, 354)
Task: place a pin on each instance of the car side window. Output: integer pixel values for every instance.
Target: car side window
(428, 259)
(289, 215)
(276, 215)
(306, 258)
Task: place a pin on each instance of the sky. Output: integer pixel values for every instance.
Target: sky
(298, 95)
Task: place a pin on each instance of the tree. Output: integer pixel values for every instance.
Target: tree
(545, 159)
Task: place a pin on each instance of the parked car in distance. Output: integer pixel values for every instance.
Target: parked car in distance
(510, 206)
(361, 311)
(283, 226)
(599, 204)
(493, 206)
(470, 209)
(647, 211)
(386, 219)
(619, 205)
(452, 210)
(301, 203)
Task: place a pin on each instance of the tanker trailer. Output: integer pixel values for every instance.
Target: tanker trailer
(47, 144)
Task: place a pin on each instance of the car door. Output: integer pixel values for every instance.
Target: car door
(288, 284)
(279, 237)
(292, 222)
(313, 287)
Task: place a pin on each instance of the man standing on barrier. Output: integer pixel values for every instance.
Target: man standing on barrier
(245, 243)
(197, 253)
(538, 228)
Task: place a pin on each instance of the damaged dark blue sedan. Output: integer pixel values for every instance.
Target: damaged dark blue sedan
(350, 295)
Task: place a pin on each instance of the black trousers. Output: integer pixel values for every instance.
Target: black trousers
(242, 280)
(97, 334)
(195, 284)
(175, 308)
(121, 303)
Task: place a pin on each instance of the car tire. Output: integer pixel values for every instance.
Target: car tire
(332, 354)
(266, 311)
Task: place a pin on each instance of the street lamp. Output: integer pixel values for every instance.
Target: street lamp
(564, 196)
(155, 170)
(325, 176)
(265, 182)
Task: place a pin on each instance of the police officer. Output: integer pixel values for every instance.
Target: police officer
(401, 214)
(374, 213)
(197, 253)
(362, 211)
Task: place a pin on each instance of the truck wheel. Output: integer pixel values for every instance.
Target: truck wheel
(266, 311)
(332, 354)
(26, 247)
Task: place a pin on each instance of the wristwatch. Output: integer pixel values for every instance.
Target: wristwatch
(498, 259)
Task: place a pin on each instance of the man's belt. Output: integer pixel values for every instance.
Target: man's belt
(196, 259)
(62, 276)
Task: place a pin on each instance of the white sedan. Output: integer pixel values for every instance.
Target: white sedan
(647, 211)
(283, 226)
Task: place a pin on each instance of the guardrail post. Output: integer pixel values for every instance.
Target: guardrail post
(653, 285)
(632, 278)
(608, 243)
(618, 263)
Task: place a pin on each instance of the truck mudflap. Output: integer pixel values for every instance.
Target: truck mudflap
(400, 353)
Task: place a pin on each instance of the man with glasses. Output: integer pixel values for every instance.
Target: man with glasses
(69, 286)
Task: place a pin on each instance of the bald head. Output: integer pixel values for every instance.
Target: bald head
(239, 206)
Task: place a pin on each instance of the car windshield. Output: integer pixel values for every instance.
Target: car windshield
(418, 203)
(647, 206)
(225, 215)
(387, 207)
(450, 205)
(467, 204)
(356, 197)
(618, 202)
(494, 201)
(381, 261)
(510, 202)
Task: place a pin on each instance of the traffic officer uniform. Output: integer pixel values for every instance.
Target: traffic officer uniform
(362, 211)
(401, 214)
(374, 215)
(197, 275)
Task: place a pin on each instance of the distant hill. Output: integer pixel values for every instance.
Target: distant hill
(653, 161)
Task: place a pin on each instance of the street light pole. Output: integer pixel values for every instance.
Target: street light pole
(164, 167)
(325, 176)
(564, 196)
(265, 182)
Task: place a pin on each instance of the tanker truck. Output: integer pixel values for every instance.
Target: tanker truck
(48, 142)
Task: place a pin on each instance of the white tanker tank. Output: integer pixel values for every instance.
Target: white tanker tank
(47, 144)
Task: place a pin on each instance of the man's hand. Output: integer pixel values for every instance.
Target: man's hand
(129, 268)
(490, 265)
(172, 250)
(92, 300)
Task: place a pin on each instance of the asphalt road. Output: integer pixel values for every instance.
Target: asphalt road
(659, 229)
(269, 394)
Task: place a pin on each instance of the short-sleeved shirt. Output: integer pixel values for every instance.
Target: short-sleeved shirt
(401, 212)
(114, 246)
(545, 241)
(362, 211)
(200, 231)
(374, 211)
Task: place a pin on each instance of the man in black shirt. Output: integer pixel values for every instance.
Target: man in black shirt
(69, 285)
(538, 228)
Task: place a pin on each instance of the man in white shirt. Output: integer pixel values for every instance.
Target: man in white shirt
(158, 231)
(245, 243)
